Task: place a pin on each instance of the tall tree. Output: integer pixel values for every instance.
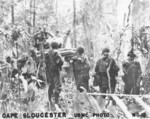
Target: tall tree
(74, 24)
(12, 12)
(56, 7)
(34, 13)
(88, 35)
(31, 11)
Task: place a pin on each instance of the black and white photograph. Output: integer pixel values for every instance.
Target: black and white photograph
(74, 59)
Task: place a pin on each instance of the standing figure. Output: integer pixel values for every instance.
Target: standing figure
(132, 72)
(103, 76)
(15, 34)
(81, 68)
(29, 69)
(54, 63)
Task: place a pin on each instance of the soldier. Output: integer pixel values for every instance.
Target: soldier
(30, 68)
(15, 34)
(41, 38)
(53, 63)
(81, 67)
(8, 59)
(132, 72)
(103, 76)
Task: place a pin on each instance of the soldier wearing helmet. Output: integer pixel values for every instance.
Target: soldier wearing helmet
(81, 67)
(101, 72)
(8, 59)
(54, 45)
(132, 71)
(54, 62)
(80, 50)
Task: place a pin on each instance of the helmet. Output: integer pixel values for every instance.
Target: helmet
(131, 54)
(32, 51)
(54, 45)
(80, 49)
(8, 59)
(105, 50)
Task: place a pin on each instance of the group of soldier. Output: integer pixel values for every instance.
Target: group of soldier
(106, 72)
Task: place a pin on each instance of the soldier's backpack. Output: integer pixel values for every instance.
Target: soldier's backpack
(51, 60)
(133, 74)
(15, 35)
(81, 66)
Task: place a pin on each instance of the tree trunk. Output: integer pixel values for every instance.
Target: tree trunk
(34, 14)
(74, 24)
(147, 78)
(87, 34)
(12, 13)
(115, 4)
(57, 15)
(25, 4)
(31, 11)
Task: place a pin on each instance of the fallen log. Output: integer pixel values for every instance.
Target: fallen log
(82, 101)
(122, 95)
(142, 103)
(94, 104)
(122, 107)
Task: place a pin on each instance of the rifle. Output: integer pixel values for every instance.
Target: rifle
(74, 71)
(108, 75)
(43, 62)
(109, 81)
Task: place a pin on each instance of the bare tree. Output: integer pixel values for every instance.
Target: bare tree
(87, 33)
(56, 14)
(31, 11)
(34, 13)
(74, 24)
(12, 12)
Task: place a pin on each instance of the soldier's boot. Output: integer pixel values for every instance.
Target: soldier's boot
(50, 95)
(57, 105)
(103, 90)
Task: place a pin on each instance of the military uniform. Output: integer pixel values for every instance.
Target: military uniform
(81, 68)
(53, 63)
(101, 73)
(132, 72)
